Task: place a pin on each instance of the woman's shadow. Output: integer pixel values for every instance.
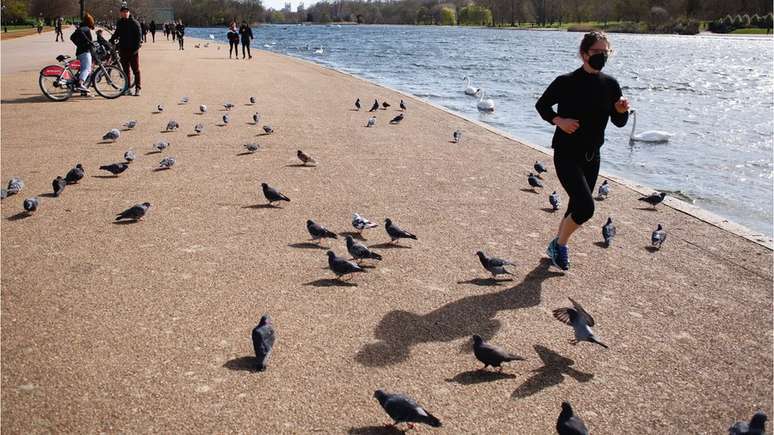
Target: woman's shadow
(399, 330)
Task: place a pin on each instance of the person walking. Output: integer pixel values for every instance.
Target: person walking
(586, 99)
(233, 40)
(152, 28)
(172, 26)
(144, 29)
(180, 30)
(129, 36)
(58, 28)
(246, 35)
(166, 30)
(83, 50)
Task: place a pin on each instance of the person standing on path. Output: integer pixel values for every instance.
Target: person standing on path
(152, 29)
(180, 30)
(233, 40)
(129, 36)
(144, 29)
(58, 29)
(246, 34)
(83, 49)
(586, 99)
(166, 30)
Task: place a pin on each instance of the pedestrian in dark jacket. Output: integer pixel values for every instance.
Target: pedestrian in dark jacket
(144, 29)
(152, 28)
(246, 34)
(180, 30)
(83, 49)
(58, 29)
(233, 40)
(129, 36)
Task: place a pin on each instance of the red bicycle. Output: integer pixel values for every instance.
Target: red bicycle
(58, 82)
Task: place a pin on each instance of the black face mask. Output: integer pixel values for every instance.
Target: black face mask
(597, 61)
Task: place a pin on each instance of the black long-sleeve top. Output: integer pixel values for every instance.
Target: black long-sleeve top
(82, 39)
(589, 98)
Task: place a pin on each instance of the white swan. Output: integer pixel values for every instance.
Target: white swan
(485, 105)
(654, 136)
(319, 50)
(469, 90)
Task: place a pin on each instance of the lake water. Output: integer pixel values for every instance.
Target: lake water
(715, 93)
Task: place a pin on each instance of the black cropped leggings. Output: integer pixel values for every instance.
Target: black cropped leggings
(233, 45)
(578, 174)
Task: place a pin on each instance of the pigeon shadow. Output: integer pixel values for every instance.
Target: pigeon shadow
(307, 245)
(651, 249)
(330, 282)
(48, 195)
(355, 235)
(524, 189)
(152, 152)
(399, 330)
(261, 206)
(105, 176)
(388, 245)
(600, 244)
(103, 142)
(263, 134)
(156, 112)
(484, 281)
(480, 376)
(599, 199)
(126, 222)
(245, 153)
(19, 216)
(166, 131)
(242, 364)
(554, 371)
(298, 165)
(192, 134)
(647, 208)
(160, 169)
(198, 113)
(549, 210)
(375, 430)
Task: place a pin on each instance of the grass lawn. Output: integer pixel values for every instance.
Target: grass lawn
(751, 32)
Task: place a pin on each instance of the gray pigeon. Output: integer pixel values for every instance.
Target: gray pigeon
(305, 158)
(115, 168)
(130, 124)
(228, 106)
(555, 200)
(167, 163)
(15, 185)
(608, 232)
(75, 174)
(58, 185)
(184, 100)
(581, 322)
(540, 168)
(359, 251)
(199, 128)
(495, 266)
(251, 147)
(456, 136)
(491, 355)
(135, 212)
(533, 181)
(159, 108)
(129, 156)
(31, 204)
(161, 145)
(360, 223)
(395, 232)
(112, 135)
(568, 423)
(273, 195)
(263, 341)
(252, 100)
(226, 119)
(658, 237)
(172, 125)
(371, 121)
(3, 194)
(202, 108)
(267, 129)
(340, 266)
(256, 118)
(757, 425)
(402, 106)
(397, 119)
(402, 409)
(375, 106)
(319, 232)
(654, 199)
(603, 191)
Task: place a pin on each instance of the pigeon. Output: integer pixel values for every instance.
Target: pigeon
(534, 181)
(402, 106)
(604, 190)
(375, 107)
(129, 156)
(360, 223)
(112, 135)
(256, 118)
(654, 199)
(228, 106)
(263, 341)
(397, 119)
(371, 121)
(385, 105)
(161, 145)
(359, 251)
(319, 232)
(252, 100)
(267, 129)
(757, 425)
(130, 124)
(226, 118)
(340, 266)
(58, 185)
(167, 163)
(251, 147)
(568, 423)
(75, 174)
(495, 266)
(15, 185)
(135, 212)
(115, 168)
(403, 409)
(159, 108)
(184, 100)
(199, 128)
(357, 104)
(31, 204)
(395, 232)
(491, 355)
(172, 125)
(540, 168)
(272, 195)
(658, 237)
(202, 108)
(305, 158)
(581, 322)
(555, 201)
(608, 232)
(456, 136)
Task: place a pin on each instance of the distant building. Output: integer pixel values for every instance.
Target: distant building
(287, 7)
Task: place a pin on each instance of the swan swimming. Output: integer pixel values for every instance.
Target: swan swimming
(469, 90)
(654, 136)
(319, 50)
(485, 105)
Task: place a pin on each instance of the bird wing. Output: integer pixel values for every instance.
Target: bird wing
(565, 315)
(498, 262)
(582, 312)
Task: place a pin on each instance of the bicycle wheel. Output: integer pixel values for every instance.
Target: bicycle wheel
(109, 81)
(55, 83)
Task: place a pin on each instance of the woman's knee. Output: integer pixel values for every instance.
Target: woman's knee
(583, 209)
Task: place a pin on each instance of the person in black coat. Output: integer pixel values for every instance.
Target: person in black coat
(152, 29)
(144, 29)
(180, 31)
(129, 36)
(233, 40)
(246, 34)
(83, 49)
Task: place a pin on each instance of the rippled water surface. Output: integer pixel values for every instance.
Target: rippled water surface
(714, 93)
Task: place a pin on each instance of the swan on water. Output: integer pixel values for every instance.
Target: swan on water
(319, 50)
(485, 105)
(469, 90)
(655, 136)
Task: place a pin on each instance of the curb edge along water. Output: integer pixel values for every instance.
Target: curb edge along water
(670, 201)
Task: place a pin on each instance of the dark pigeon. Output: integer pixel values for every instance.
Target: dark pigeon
(658, 237)
(608, 232)
(581, 323)
(273, 195)
(135, 213)
(402, 106)
(375, 107)
(757, 426)
(604, 190)
(568, 423)
(540, 168)
(319, 232)
(58, 185)
(491, 355)
(533, 181)
(385, 105)
(267, 129)
(654, 199)
(340, 266)
(359, 251)
(263, 342)
(404, 410)
(395, 232)
(357, 104)
(495, 266)
(75, 174)
(397, 119)
(305, 158)
(115, 168)
(31, 204)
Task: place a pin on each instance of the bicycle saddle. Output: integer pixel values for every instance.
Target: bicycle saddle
(62, 57)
